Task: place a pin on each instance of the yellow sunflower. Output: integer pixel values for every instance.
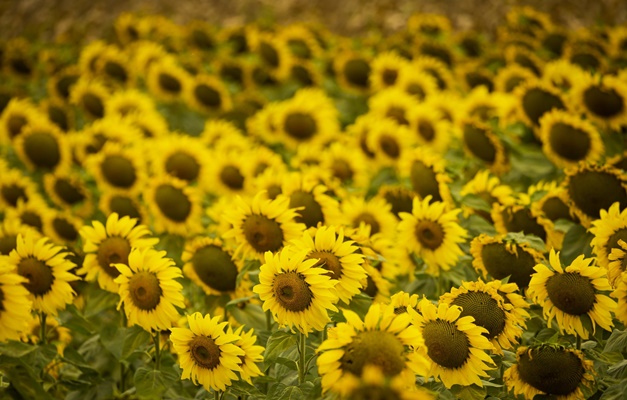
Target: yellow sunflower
(375, 212)
(352, 70)
(210, 263)
(118, 167)
(518, 217)
(167, 80)
(490, 310)
(309, 196)
(42, 146)
(339, 256)
(16, 115)
(398, 196)
(499, 258)
(181, 156)
(306, 74)
(507, 79)
(62, 227)
(603, 100)
(32, 213)
(47, 272)
(490, 189)
(567, 294)
(207, 93)
(228, 173)
(437, 69)
(385, 69)
(273, 52)
(430, 128)
(60, 83)
(562, 75)
(427, 174)
(620, 294)
(616, 263)
(114, 66)
(15, 302)
(15, 187)
(382, 339)
(609, 230)
(592, 188)
(388, 142)
(207, 354)
(58, 113)
(69, 191)
(253, 353)
(9, 229)
(259, 225)
(129, 101)
(535, 98)
(108, 244)
(482, 143)
(90, 95)
(175, 206)
(433, 233)
(123, 204)
(297, 292)
(149, 292)
(549, 370)
(301, 41)
(392, 103)
(349, 167)
(455, 348)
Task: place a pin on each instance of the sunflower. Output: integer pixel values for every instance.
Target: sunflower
(42, 146)
(500, 258)
(488, 188)
(114, 65)
(210, 263)
(207, 355)
(490, 310)
(175, 206)
(535, 99)
(273, 52)
(56, 334)
(525, 57)
(393, 103)
(145, 53)
(418, 83)
(180, 156)
(128, 28)
(148, 289)
(428, 24)
(518, 217)
(306, 74)
(401, 301)
(58, 113)
(297, 292)
(9, 229)
(352, 70)
(551, 201)
(399, 197)
(485, 106)
(15, 303)
(269, 182)
(62, 227)
(68, 191)
(562, 75)
(167, 80)
(259, 225)
(549, 370)
(88, 58)
(474, 75)
(60, 83)
(18, 114)
(309, 196)
(32, 213)
(15, 187)
(111, 243)
(437, 69)
(129, 101)
(340, 257)
(207, 93)
(93, 138)
(620, 294)
(482, 143)
(18, 60)
(385, 70)
(609, 230)
(427, 174)
(433, 233)
(90, 95)
(587, 56)
(383, 339)
(118, 167)
(567, 294)
(301, 42)
(430, 128)
(603, 100)
(616, 263)
(123, 204)
(253, 353)
(592, 188)
(454, 346)
(47, 271)
(388, 141)
(510, 77)
(350, 168)
(375, 212)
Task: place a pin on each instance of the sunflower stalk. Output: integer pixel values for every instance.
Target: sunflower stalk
(156, 339)
(302, 368)
(42, 323)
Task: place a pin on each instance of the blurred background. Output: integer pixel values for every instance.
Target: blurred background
(62, 19)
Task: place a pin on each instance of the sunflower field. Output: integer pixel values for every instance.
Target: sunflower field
(266, 211)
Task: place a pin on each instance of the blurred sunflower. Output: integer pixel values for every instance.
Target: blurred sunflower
(603, 100)
(253, 353)
(374, 212)
(427, 174)
(536, 98)
(620, 294)
(207, 355)
(433, 233)
(517, 217)
(175, 206)
(490, 189)
(118, 167)
(259, 225)
(430, 128)
(499, 258)
(127, 102)
(88, 58)
(482, 143)
(510, 77)
(562, 75)
(398, 196)
(306, 74)
(18, 114)
(108, 244)
(525, 57)
(145, 53)
(297, 292)
(18, 60)
(15, 303)
(207, 93)
(385, 69)
(56, 334)
(210, 264)
(474, 75)
(273, 52)
(42, 146)
(148, 289)
(15, 187)
(592, 188)
(568, 294)
(166, 79)
(339, 256)
(90, 95)
(309, 196)
(437, 69)
(47, 272)
(382, 339)
(123, 204)
(388, 142)
(549, 370)
(609, 230)
(589, 56)
(60, 84)
(490, 310)
(62, 227)
(301, 42)
(69, 192)
(269, 182)
(347, 166)
(31, 213)
(58, 113)
(180, 156)
(616, 263)
(9, 229)
(352, 70)
(455, 348)
(114, 66)
(418, 83)
(392, 103)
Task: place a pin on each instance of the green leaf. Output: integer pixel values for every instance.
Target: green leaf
(291, 393)
(23, 378)
(531, 240)
(152, 383)
(251, 315)
(278, 342)
(112, 338)
(134, 339)
(576, 242)
(472, 392)
(16, 349)
(476, 202)
(619, 370)
(248, 266)
(615, 392)
(617, 342)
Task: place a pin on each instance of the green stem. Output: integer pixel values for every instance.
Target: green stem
(42, 323)
(578, 342)
(122, 380)
(269, 321)
(155, 339)
(302, 341)
(217, 394)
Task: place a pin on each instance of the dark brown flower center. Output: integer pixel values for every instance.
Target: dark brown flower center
(368, 219)
(571, 293)
(379, 348)
(208, 96)
(113, 250)
(269, 54)
(262, 233)
(300, 126)
(169, 83)
(182, 166)
(553, 371)
(231, 176)
(124, 206)
(65, 229)
(311, 214)
(426, 130)
(30, 218)
(479, 142)
(328, 261)
(554, 208)
(400, 199)
(15, 124)
(485, 309)
(603, 102)
(388, 76)
(446, 345)
(569, 142)
(69, 193)
(342, 170)
(93, 105)
(357, 72)
(424, 181)
(215, 268)
(7, 244)
(39, 275)
(42, 149)
(390, 146)
(593, 191)
(398, 114)
(536, 102)
(116, 71)
(205, 352)
(11, 193)
(429, 233)
(522, 220)
(501, 263)
(119, 171)
(173, 202)
(144, 290)
(292, 292)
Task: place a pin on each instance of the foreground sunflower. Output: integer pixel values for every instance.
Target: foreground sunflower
(568, 294)
(47, 271)
(454, 345)
(433, 233)
(148, 289)
(297, 292)
(261, 225)
(549, 370)
(253, 353)
(15, 304)
(620, 294)
(383, 339)
(207, 355)
(108, 244)
(609, 231)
